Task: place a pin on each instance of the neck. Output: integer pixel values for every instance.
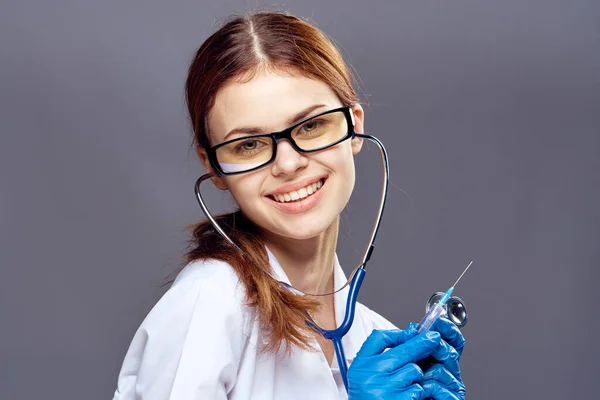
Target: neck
(308, 263)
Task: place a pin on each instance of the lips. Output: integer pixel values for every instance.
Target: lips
(287, 188)
(302, 204)
(300, 194)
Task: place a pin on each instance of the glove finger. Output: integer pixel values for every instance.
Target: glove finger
(450, 333)
(414, 349)
(379, 340)
(448, 357)
(412, 327)
(406, 376)
(440, 374)
(434, 390)
(413, 392)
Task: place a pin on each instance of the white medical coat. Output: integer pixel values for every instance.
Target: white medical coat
(200, 341)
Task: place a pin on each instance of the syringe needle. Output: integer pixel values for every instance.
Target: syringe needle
(461, 275)
(437, 308)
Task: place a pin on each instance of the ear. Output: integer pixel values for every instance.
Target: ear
(217, 180)
(358, 116)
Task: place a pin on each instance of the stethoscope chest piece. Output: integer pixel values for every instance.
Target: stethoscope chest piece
(456, 311)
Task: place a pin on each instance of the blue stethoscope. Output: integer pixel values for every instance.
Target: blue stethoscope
(336, 335)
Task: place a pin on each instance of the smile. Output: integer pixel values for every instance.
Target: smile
(297, 195)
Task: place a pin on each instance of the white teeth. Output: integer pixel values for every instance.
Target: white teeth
(298, 194)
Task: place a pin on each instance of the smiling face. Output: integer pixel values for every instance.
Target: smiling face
(298, 196)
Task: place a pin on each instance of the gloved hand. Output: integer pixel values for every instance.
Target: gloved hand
(392, 374)
(397, 373)
(450, 333)
(441, 375)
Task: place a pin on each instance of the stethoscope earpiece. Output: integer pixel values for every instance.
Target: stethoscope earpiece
(456, 311)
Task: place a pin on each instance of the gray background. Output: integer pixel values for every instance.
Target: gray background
(490, 112)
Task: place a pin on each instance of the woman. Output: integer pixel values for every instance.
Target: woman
(227, 328)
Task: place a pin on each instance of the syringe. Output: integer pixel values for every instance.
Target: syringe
(438, 308)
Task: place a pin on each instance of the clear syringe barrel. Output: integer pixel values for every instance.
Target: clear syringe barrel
(434, 312)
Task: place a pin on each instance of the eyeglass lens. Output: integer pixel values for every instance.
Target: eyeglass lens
(251, 152)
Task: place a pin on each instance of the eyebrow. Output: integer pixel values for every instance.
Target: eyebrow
(252, 130)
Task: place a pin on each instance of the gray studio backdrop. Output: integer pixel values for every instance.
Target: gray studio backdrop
(491, 115)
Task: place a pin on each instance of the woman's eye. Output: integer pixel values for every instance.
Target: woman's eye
(311, 126)
(249, 145)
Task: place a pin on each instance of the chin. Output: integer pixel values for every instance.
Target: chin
(305, 235)
(304, 228)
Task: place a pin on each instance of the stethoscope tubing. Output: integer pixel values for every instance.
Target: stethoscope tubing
(336, 335)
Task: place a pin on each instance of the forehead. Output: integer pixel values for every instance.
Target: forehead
(267, 101)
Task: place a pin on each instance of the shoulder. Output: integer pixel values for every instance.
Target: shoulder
(207, 289)
(209, 271)
(198, 328)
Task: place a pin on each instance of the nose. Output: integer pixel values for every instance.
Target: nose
(288, 160)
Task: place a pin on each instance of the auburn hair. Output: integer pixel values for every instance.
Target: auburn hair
(238, 50)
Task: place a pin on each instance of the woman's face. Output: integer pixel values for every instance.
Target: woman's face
(271, 102)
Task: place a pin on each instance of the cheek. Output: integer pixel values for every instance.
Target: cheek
(348, 172)
(349, 178)
(341, 161)
(244, 189)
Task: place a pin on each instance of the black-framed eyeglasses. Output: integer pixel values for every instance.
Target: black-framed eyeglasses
(250, 153)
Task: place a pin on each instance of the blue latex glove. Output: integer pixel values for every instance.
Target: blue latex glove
(441, 371)
(392, 374)
(415, 367)
(450, 334)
